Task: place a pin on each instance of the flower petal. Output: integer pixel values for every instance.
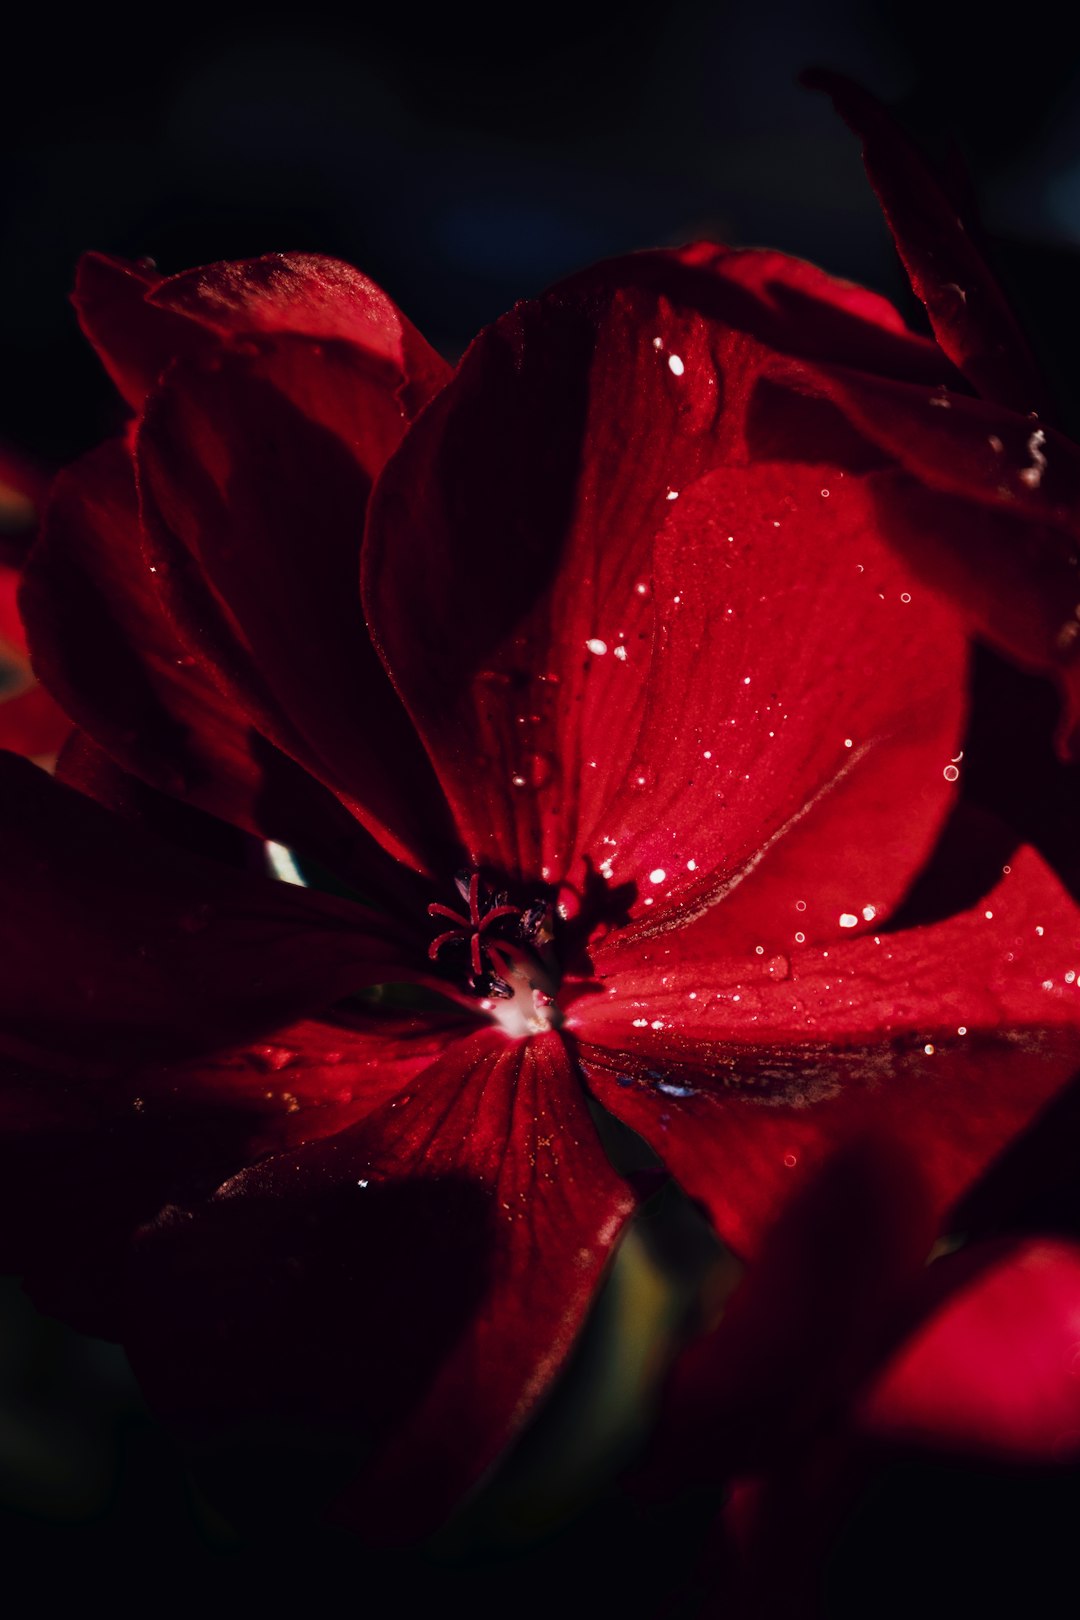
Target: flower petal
(32, 724)
(543, 611)
(234, 479)
(120, 949)
(83, 1165)
(817, 1309)
(417, 1280)
(311, 296)
(986, 513)
(139, 320)
(804, 695)
(993, 1371)
(743, 1073)
(971, 318)
(790, 305)
(107, 647)
(134, 342)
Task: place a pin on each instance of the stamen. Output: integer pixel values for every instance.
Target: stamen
(507, 951)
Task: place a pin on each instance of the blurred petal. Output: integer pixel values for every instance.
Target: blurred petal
(994, 1371)
(120, 949)
(971, 318)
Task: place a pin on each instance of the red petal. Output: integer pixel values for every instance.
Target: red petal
(791, 305)
(971, 319)
(742, 1078)
(419, 1279)
(84, 1166)
(812, 1314)
(32, 724)
(804, 696)
(121, 949)
(138, 320)
(568, 682)
(310, 1081)
(255, 514)
(107, 647)
(134, 341)
(12, 635)
(311, 296)
(992, 518)
(995, 1371)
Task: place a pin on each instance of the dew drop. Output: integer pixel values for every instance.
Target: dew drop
(951, 774)
(657, 875)
(778, 967)
(675, 365)
(597, 646)
(848, 919)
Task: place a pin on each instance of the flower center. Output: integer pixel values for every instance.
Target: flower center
(505, 951)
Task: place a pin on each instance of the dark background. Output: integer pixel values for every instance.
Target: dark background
(464, 160)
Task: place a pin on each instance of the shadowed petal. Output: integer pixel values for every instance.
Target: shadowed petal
(120, 948)
(417, 1280)
(256, 538)
(971, 318)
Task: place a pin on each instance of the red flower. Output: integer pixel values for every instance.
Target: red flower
(634, 741)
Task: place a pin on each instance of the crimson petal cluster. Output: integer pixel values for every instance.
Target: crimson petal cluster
(606, 626)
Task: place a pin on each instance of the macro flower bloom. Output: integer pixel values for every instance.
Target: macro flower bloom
(588, 693)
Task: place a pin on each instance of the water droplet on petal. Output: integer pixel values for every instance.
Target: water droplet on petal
(778, 967)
